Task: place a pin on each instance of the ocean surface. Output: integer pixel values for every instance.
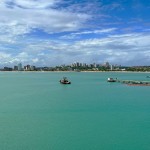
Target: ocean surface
(39, 113)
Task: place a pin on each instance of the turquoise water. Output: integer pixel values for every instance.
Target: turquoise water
(39, 113)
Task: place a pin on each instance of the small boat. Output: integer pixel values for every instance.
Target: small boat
(65, 81)
(111, 80)
(147, 76)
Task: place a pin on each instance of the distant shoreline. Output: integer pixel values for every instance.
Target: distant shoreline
(85, 71)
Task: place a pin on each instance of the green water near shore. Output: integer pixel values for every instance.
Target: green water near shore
(39, 113)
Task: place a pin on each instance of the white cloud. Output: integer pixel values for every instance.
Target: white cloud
(18, 21)
(21, 18)
(121, 49)
(4, 58)
(76, 35)
(125, 49)
(34, 4)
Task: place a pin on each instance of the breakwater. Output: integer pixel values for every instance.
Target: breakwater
(133, 82)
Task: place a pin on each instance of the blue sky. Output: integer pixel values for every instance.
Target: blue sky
(55, 32)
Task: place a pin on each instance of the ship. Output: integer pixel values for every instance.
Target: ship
(64, 81)
(111, 80)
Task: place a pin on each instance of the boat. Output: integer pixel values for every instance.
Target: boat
(111, 80)
(147, 76)
(64, 81)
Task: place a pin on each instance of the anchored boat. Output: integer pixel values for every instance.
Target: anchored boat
(64, 81)
(111, 80)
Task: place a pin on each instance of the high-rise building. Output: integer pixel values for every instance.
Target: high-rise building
(19, 67)
(106, 64)
(15, 68)
(111, 67)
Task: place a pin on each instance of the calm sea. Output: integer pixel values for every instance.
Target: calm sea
(39, 113)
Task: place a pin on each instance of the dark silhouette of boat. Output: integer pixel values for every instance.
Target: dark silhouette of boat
(111, 80)
(64, 81)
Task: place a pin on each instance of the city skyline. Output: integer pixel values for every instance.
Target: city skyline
(77, 67)
(21, 66)
(50, 33)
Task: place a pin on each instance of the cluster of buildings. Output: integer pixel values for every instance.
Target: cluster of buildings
(19, 67)
(94, 65)
(72, 67)
(77, 66)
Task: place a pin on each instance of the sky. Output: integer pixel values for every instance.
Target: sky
(56, 32)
